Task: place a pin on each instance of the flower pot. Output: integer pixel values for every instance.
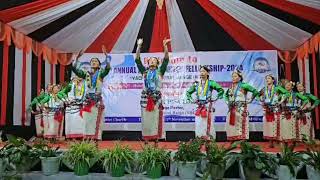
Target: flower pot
(155, 172)
(312, 173)
(50, 165)
(81, 168)
(284, 173)
(118, 171)
(187, 170)
(251, 174)
(216, 171)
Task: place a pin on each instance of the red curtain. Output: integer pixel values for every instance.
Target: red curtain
(111, 34)
(246, 38)
(4, 86)
(304, 12)
(18, 12)
(315, 87)
(160, 30)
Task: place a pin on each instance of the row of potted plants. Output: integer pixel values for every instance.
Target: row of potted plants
(19, 156)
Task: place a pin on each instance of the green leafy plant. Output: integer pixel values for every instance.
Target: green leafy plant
(189, 151)
(219, 158)
(313, 159)
(219, 155)
(151, 156)
(19, 154)
(289, 157)
(119, 155)
(252, 157)
(81, 152)
(45, 150)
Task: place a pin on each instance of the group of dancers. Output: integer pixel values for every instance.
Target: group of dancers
(287, 114)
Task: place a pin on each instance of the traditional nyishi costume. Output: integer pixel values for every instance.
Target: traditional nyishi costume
(53, 115)
(238, 115)
(203, 123)
(271, 97)
(38, 117)
(306, 128)
(151, 104)
(93, 107)
(74, 122)
(289, 125)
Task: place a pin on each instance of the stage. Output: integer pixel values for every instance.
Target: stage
(172, 146)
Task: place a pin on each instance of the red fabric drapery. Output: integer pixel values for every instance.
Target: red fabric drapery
(18, 12)
(299, 10)
(160, 29)
(315, 87)
(39, 74)
(246, 38)
(111, 34)
(4, 86)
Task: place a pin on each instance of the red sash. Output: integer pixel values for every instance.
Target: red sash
(58, 116)
(87, 108)
(201, 111)
(150, 104)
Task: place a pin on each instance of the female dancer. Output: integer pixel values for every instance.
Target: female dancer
(289, 126)
(306, 130)
(151, 105)
(272, 96)
(203, 124)
(237, 99)
(92, 109)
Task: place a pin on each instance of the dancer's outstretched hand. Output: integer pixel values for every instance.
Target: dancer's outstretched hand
(139, 42)
(80, 54)
(104, 50)
(166, 41)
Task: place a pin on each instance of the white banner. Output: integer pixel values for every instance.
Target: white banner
(123, 85)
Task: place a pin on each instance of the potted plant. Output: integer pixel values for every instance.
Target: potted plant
(253, 162)
(19, 155)
(117, 159)
(153, 159)
(188, 156)
(313, 164)
(81, 156)
(3, 162)
(289, 162)
(219, 159)
(50, 158)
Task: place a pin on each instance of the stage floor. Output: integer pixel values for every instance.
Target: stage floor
(137, 145)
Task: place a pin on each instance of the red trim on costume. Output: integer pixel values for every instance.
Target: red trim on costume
(98, 121)
(278, 115)
(74, 135)
(24, 72)
(297, 130)
(4, 93)
(269, 138)
(209, 119)
(232, 120)
(244, 121)
(240, 137)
